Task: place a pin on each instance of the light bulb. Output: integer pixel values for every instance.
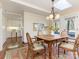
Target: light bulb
(51, 16)
(57, 16)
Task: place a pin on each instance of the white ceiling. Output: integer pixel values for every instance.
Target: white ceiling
(37, 6)
(41, 4)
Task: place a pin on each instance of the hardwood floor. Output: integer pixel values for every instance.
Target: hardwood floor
(2, 55)
(68, 55)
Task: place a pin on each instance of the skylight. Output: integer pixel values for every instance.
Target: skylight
(62, 5)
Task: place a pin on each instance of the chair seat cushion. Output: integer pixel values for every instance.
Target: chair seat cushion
(70, 40)
(13, 46)
(67, 45)
(38, 46)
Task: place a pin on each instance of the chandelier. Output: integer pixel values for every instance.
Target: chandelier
(53, 15)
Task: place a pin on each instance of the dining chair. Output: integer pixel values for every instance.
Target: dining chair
(71, 40)
(64, 33)
(13, 42)
(35, 47)
(70, 46)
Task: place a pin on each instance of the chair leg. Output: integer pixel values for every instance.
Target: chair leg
(28, 54)
(44, 53)
(77, 52)
(56, 44)
(64, 52)
(32, 55)
(58, 51)
(74, 55)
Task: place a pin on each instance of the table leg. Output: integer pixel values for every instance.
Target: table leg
(50, 51)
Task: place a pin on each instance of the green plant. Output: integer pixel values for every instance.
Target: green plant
(55, 27)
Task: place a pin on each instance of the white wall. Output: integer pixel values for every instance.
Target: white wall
(1, 35)
(29, 19)
(2, 29)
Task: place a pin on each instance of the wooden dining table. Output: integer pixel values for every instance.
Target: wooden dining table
(51, 39)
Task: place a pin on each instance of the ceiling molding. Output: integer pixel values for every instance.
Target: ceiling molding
(30, 5)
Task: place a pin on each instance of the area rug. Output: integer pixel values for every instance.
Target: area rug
(21, 53)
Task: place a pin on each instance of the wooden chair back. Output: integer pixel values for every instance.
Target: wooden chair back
(64, 33)
(29, 39)
(77, 42)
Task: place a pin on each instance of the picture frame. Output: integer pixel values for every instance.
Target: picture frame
(38, 26)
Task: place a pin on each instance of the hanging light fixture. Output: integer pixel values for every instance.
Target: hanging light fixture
(52, 14)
